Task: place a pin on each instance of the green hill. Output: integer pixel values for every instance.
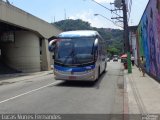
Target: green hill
(113, 37)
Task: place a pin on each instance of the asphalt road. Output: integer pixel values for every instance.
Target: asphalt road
(45, 95)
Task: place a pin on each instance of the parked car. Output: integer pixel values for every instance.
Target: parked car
(115, 59)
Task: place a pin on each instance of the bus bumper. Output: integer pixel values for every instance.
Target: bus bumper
(76, 76)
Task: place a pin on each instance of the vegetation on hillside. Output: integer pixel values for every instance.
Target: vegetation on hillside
(113, 37)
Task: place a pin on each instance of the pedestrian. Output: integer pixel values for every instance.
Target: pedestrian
(142, 65)
(132, 60)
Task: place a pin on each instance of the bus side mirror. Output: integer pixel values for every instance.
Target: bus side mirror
(96, 49)
(52, 45)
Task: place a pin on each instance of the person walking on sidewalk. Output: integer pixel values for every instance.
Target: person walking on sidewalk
(142, 65)
(132, 60)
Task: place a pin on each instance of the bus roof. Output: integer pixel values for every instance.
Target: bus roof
(78, 33)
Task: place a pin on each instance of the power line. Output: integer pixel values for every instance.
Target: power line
(108, 20)
(106, 8)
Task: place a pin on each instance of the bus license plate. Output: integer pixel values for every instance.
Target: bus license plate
(72, 77)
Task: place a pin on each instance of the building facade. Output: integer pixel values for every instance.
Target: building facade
(148, 36)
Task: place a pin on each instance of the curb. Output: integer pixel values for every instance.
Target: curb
(125, 101)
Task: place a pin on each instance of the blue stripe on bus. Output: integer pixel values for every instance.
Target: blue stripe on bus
(74, 69)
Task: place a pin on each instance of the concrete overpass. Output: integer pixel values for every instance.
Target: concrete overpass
(23, 40)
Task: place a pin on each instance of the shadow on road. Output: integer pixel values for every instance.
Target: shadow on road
(82, 84)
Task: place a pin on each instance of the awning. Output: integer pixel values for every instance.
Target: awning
(124, 56)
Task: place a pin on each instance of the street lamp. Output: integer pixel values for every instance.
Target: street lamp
(107, 19)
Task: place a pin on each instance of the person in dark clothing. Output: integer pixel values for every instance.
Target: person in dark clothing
(132, 60)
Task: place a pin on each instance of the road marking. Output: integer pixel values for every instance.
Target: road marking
(29, 92)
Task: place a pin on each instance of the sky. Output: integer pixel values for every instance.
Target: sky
(56, 10)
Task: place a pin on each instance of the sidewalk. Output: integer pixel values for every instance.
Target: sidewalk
(22, 76)
(143, 93)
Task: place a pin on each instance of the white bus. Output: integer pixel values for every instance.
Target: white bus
(79, 55)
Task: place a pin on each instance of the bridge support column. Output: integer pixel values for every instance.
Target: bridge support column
(45, 56)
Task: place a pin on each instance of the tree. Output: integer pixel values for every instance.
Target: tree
(113, 51)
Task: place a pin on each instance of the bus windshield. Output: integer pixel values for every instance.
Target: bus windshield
(75, 51)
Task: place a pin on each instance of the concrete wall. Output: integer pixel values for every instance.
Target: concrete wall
(24, 54)
(45, 56)
(15, 16)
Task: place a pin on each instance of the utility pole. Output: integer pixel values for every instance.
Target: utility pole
(121, 5)
(126, 36)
